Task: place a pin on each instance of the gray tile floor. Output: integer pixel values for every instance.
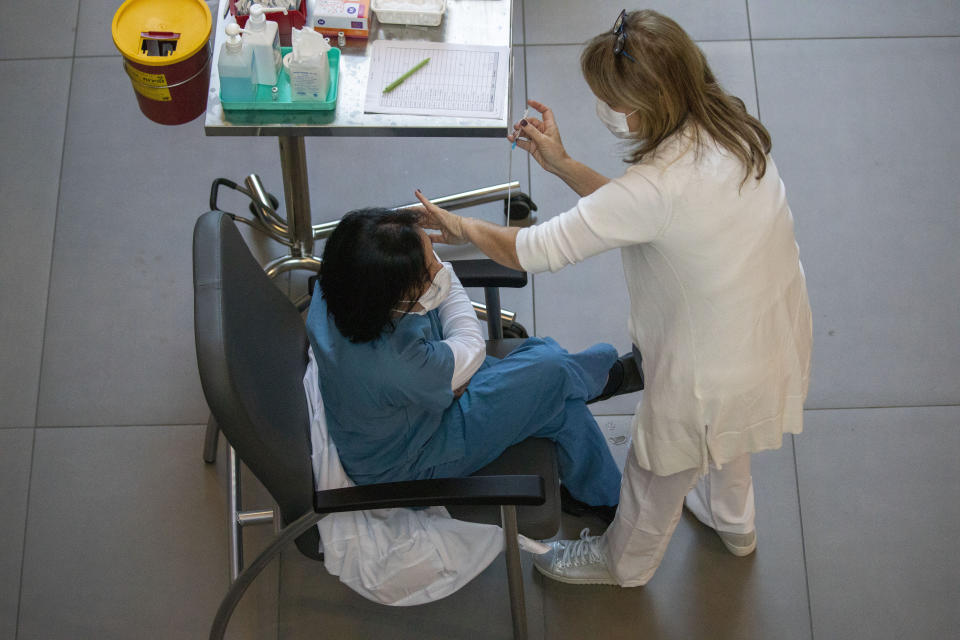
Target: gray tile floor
(113, 527)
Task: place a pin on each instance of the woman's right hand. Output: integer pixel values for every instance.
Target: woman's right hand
(541, 138)
(448, 225)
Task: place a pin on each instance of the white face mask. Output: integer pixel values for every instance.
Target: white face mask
(616, 122)
(437, 292)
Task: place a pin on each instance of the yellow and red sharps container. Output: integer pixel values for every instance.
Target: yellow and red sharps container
(166, 53)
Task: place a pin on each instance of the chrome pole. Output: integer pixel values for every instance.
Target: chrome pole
(234, 505)
(296, 189)
(470, 198)
(451, 203)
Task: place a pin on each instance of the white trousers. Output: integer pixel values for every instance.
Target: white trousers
(650, 508)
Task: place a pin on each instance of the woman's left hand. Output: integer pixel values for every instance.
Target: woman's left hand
(449, 225)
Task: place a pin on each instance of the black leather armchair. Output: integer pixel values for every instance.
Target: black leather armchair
(252, 355)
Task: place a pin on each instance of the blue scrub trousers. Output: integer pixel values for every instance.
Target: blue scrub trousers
(538, 391)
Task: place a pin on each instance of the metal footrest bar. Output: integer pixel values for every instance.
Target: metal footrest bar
(258, 226)
(260, 516)
(292, 263)
(506, 315)
(263, 209)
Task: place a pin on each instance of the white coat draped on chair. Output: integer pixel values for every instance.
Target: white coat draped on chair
(398, 557)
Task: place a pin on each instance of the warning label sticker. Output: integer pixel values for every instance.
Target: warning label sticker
(149, 85)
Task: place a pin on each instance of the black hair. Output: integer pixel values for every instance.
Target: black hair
(373, 264)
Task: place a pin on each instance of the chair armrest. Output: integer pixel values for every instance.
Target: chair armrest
(487, 273)
(474, 490)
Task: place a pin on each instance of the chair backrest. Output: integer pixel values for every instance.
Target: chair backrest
(252, 355)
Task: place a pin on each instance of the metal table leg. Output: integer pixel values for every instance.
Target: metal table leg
(296, 192)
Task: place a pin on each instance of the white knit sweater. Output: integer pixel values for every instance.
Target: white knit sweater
(718, 300)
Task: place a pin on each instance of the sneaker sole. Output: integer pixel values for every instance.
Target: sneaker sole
(740, 551)
(554, 576)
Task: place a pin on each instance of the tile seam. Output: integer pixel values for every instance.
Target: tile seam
(526, 96)
(533, 276)
(803, 539)
(862, 37)
(43, 334)
(56, 217)
(901, 406)
(114, 425)
(889, 406)
(25, 59)
(580, 44)
(773, 39)
(23, 540)
(753, 62)
(119, 426)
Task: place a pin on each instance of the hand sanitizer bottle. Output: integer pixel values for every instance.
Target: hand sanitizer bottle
(237, 82)
(262, 37)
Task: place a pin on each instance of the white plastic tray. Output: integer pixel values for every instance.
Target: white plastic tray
(401, 12)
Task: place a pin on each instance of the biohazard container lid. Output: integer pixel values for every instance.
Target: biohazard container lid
(161, 32)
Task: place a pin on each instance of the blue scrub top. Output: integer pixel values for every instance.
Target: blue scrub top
(385, 399)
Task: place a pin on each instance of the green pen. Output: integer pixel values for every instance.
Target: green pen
(396, 83)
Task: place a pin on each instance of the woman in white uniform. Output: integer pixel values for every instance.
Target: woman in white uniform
(718, 300)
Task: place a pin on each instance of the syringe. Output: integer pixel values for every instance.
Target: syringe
(526, 112)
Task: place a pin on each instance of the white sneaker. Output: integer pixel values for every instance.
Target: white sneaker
(575, 561)
(739, 544)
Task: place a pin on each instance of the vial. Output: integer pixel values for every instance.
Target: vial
(341, 39)
(275, 93)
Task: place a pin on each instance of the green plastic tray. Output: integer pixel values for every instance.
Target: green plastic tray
(283, 103)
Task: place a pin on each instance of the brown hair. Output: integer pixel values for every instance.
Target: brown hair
(666, 78)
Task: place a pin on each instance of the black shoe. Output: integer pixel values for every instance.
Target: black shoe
(625, 376)
(569, 504)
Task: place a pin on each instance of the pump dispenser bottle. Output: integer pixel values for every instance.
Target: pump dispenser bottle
(237, 81)
(262, 36)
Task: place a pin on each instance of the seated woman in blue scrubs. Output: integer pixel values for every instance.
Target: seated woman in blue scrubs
(408, 390)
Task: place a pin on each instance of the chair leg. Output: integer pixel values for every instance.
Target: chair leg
(494, 322)
(234, 506)
(518, 609)
(245, 579)
(210, 441)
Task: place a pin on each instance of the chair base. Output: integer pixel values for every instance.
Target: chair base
(210, 439)
(243, 581)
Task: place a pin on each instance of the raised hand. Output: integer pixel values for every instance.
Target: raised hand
(448, 226)
(541, 138)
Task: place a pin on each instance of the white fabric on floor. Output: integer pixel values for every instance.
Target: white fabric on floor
(397, 557)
